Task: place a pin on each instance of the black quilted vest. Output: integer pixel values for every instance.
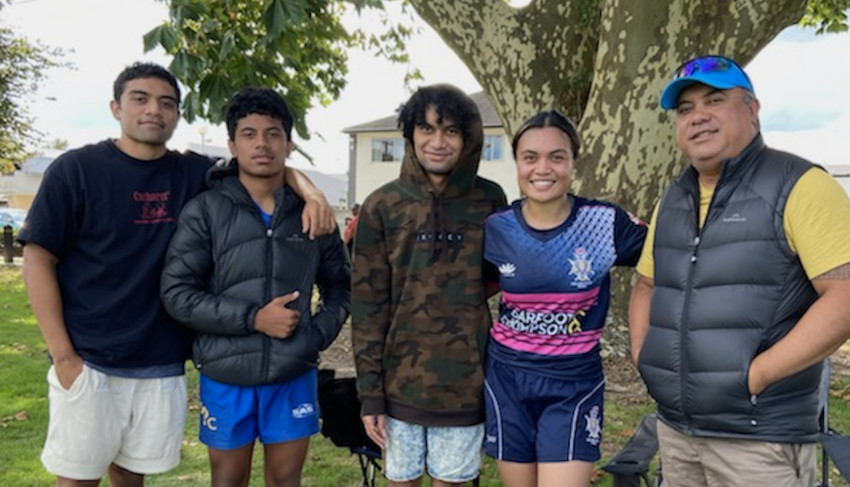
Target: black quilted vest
(722, 295)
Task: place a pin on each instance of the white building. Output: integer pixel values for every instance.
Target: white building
(19, 188)
(376, 149)
(842, 174)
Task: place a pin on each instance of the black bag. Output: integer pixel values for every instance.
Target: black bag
(340, 407)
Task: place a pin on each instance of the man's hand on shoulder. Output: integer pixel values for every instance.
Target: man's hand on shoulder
(318, 217)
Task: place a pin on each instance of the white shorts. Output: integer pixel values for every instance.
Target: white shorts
(449, 453)
(136, 424)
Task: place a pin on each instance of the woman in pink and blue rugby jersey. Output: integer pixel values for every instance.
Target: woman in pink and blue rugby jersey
(554, 250)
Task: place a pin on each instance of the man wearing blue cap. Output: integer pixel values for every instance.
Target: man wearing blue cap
(743, 289)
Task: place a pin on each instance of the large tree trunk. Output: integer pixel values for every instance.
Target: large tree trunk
(604, 63)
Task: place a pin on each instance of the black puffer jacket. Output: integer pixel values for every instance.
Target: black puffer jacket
(223, 265)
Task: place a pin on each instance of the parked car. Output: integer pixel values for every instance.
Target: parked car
(13, 217)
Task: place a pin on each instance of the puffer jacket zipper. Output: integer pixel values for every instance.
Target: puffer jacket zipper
(269, 290)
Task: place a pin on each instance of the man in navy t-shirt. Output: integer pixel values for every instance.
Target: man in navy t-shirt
(95, 239)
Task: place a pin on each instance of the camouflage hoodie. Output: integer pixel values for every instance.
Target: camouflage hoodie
(419, 313)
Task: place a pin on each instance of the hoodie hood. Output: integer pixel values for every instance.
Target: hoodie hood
(462, 178)
(459, 182)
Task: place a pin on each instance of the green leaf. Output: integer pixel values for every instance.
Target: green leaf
(191, 106)
(215, 89)
(828, 16)
(275, 17)
(153, 38)
(168, 38)
(227, 45)
(180, 64)
(359, 5)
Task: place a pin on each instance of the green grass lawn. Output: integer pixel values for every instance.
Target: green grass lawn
(23, 416)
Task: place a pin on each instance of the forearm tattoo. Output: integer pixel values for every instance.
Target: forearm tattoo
(841, 273)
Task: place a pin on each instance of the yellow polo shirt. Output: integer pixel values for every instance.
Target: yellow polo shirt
(816, 221)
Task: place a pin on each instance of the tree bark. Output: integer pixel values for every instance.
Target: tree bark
(604, 63)
(526, 59)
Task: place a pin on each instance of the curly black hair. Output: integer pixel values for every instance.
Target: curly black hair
(450, 103)
(260, 101)
(143, 70)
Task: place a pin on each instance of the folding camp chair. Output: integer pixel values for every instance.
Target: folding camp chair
(836, 447)
(630, 465)
(342, 425)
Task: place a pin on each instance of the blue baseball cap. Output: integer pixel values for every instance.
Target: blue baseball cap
(715, 71)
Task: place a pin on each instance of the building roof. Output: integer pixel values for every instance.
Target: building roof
(839, 170)
(37, 164)
(390, 124)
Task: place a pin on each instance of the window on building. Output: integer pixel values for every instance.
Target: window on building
(493, 145)
(388, 150)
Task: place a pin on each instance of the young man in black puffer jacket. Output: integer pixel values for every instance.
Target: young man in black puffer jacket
(240, 272)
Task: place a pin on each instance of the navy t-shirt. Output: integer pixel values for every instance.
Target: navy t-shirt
(109, 218)
(556, 285)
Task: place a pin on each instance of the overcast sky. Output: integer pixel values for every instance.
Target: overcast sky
(801, 80)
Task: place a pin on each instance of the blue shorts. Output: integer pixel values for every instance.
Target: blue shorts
(234, 416)
(531, 418)
(450, 453)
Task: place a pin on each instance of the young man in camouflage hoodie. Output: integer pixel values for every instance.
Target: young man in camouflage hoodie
(419, 313)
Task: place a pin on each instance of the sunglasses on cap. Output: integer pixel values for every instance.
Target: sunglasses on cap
(707, 64)
(716, 71)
